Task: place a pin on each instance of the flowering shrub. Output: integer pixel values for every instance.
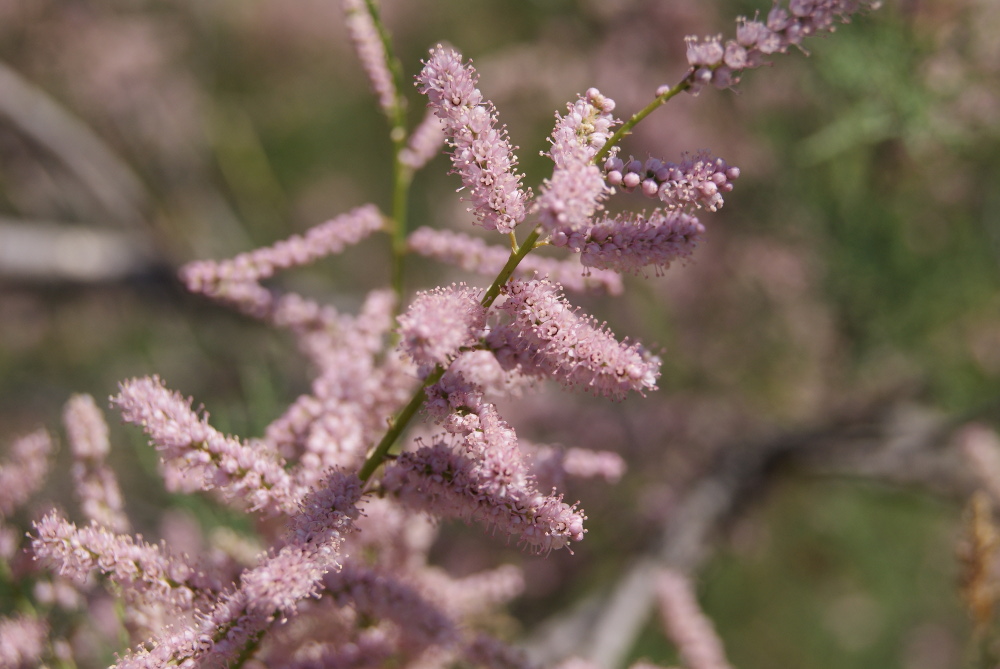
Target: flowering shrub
(344, 499)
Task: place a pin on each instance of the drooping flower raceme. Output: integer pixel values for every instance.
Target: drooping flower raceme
(214, 461)
(484, 478)
(630, 243)
(546, 337)
(720, 65)
(96, 484)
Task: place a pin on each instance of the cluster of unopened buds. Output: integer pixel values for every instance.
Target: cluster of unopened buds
(720, 63)
(698, 180)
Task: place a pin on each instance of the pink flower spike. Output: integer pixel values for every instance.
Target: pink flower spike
(488, 482)
(425, 142)
(686, 625)
(249, 473)
(236, 282)
(482, 155)
(96, 484)
(547, 338)
(24, 472)
(145, 572)
(698, 181)
(587, 124)
(720, 65)
(630, 243)
(22, 641)
(440, 323)
(368, 45)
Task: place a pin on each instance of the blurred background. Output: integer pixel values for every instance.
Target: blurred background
(854, 268)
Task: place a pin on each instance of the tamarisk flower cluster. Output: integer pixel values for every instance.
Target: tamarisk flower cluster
(482, 155)
(338, 573)
(720, 65)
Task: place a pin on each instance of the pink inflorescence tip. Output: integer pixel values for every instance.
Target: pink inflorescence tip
(440, 322)
(698, 181)
(483, 156)
(720, 64)
(547, 338)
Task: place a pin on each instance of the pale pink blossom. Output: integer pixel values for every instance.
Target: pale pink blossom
(248, 472)
(371, 52)
(686, 625)
(383, 597)
(482, 154)
(440, 323)
(720, 65)
(236, 282)
(629, 243)
(22, 641)
(149, 575)
(484, 478)
(24, 471)
(699, 180)
(424, 143)
(546, 337)
(552, 465)
(96, 483)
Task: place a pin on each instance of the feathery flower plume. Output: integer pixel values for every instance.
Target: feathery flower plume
(250, 473)
(440, 323)
(547, 338)
(587, 125)
(699, 180)
(424, 143)
(628, 243)
(23, 473)
(273, 588)
(552, 465)
(686, 625)
(383, 597)
(457, 399)
(148, 575)
(473, 594)
(371, 52)
(573, 194)
(720, 65)
(488, 482)
(474, 255)
(22, 641)
(455, 402)
(96, 484)
(577, 187)
(482, 155)
(236, 282)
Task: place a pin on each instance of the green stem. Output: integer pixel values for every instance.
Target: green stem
(516, 256)
(626, 128)
(402, 176)
(397, 425)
